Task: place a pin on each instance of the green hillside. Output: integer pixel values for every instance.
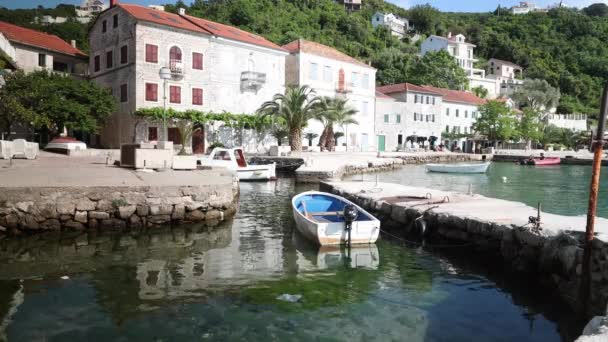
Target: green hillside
(566, 47)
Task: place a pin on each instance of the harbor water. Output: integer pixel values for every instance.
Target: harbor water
(561, 189)
(254, 278)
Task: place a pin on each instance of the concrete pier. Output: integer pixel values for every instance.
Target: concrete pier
(319, 167)
(57, 192)
(493, 226)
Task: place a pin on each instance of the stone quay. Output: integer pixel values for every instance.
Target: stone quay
(64, 193)
(493, 227)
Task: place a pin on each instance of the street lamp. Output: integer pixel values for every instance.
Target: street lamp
(165, 74)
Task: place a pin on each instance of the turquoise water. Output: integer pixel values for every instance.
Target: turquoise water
(562, 189)
(221, 283)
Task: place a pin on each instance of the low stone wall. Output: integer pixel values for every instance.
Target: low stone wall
(566, 160)
(39, 209)
(434, 157)
(284, 164)
(553, 256)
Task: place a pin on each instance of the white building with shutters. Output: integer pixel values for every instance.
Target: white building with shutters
(213, 67)
(332, 73)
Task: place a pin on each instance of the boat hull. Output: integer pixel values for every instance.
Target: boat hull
(458, 168)
(257, 172)
(546, 161)
(234, 159)
(365, 229)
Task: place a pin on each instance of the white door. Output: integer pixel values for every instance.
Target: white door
(364, 143)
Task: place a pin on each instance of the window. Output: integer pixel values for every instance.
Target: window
(355, 79)
(447, 128)
(313, 71)
(152, 133)
(466, 113)
(453, 129)
(109, 59)
(416, 98)
(428, 100)
(466, 130)
(197, 96)
(175, 94)
(457, 112)
(197, 61)
(175, 54)
(474, 115)
(173, 134)
(124, 56)
(398, 118)
(123, 93)
(447, 112)
(115, 21)
(433, 118)
(386, 118)
(41, 60)
(433, 99)
(415, 117)
(365, 82)
(151, 92)
(96, 62)
(364, 108)
(327, 75)
(104, 26)
(151, 53)
(427, 117)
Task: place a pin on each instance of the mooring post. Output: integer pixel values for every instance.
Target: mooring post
(598, 148)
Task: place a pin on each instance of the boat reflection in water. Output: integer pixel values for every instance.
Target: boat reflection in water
(314, 258)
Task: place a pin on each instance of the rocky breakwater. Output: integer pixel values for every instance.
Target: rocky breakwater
(35, 209)
(552, 255)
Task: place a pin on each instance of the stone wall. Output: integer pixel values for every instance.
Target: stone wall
(40, 209)
(554, 259)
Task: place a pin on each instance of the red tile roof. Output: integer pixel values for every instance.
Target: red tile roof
(457, 96)
(383, 96)
(318, 49)
(190, 23)
(38, 39)
(401, 87)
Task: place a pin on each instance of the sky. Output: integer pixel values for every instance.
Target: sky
(443, 5)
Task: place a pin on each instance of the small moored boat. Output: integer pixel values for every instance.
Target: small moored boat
(542, 161)
(234, 159)
(328, 219)
(458, 168)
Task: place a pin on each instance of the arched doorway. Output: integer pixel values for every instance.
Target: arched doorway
(198, 140)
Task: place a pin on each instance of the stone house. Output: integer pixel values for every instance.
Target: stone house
(333, 74)
(397, 25)
(212, 68)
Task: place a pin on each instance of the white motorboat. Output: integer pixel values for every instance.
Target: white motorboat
(325, 218)
(234, 159)
(458, 168)
(64, 144)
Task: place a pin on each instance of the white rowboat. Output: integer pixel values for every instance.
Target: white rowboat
(234, 159)
(319, 218)
(458, 168)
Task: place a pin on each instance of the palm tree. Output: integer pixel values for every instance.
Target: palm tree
(310, 136)
(333, 111)
(295, 108)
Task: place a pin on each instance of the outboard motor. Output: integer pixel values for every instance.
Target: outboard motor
(350, 215)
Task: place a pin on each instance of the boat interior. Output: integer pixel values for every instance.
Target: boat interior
(323, 209)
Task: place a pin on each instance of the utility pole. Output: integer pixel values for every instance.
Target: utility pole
(598, 148)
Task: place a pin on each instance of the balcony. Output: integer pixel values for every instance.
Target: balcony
(253, 81)
(176, 66)
(344, 88)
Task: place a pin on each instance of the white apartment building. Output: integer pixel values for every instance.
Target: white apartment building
(397, 25)
(213, 68)
(30, 50)
(408, 114)
(90, 8)
(524, 7)
(508, 76)
(575, 122)
(332, 73)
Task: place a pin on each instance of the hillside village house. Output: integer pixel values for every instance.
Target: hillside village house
(334, 74)
(213, 68)
(526, 7)
(398, 26)
(508, 76)
(409, 115)
(31, 50)
(464, 53)
(575, 122)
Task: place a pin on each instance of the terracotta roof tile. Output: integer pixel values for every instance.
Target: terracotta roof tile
(38, 39)
(457, 96)
(195, 24)
(383, 96)
(319, 49)
(400, 87)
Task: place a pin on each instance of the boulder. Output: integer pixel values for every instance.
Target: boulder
(24, 206)
(142, 210)
(126, 211)
(104, 205)
(99, 215)
(214, 215)
(195, 216)
(85, 204)
(66, 207)
(135, 221)
(161, 210)
(81, 216)
(179, 212)
(74, 225)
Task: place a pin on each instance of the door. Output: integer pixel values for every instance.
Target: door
(381, 144)
(198, 140)
(364, 142)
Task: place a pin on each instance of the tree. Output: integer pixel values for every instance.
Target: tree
(537, 94)
(529, 127)
(340, 114)
(596, 10)
(438, 69)
(310, 136)
(480, 92)
(424, 18)
(295, 108)
(51, 101)
(496, 121)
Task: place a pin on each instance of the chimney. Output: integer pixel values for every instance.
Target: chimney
(449, 34)
(113, 3)
(73, 43)
(182, 11)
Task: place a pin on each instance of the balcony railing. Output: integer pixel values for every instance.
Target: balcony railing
(176, 66)
(251, 80)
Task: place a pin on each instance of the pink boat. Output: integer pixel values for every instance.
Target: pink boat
(542, 162)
